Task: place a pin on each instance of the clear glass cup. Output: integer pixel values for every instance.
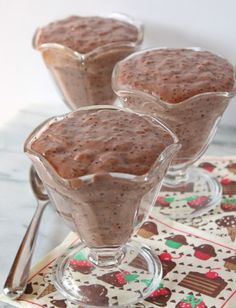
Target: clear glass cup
(105, 209)
(85, 79)
(194, 121)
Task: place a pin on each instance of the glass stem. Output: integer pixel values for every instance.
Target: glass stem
(176, 177)
(106, 257)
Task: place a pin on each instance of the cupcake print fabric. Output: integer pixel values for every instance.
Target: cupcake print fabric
(199, 261)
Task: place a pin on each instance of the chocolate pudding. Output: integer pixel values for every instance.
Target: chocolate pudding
(188, 89)
(93, 163)
(93, 45)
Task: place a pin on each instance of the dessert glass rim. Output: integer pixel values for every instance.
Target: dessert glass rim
(152, 97)
(82, 56)
(161, 158)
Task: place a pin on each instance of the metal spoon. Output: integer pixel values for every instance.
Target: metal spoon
(19, 273)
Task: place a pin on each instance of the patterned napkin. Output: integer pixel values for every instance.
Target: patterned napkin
(222, 220)
(199, 264)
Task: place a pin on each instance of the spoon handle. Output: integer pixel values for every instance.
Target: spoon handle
(19, 273)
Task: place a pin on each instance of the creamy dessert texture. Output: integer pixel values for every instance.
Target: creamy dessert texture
(104, 209)
(175, 75)
(87, 78)
(174, 78)
(101, 141)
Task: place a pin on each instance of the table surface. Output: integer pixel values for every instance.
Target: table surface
(17, 200)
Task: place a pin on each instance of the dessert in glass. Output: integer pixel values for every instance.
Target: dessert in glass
(80, 53)
(188, 90)
(102, 167)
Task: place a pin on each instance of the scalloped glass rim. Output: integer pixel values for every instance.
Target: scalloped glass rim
(153, 98)
(166, 153)
(81, 56)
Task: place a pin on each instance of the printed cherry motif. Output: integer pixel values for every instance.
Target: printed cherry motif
(165, 256)
(211, 274)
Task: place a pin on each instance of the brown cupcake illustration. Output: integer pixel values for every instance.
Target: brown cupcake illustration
(204, 252)
(94, 294)
(232, 167)
(229, 186)
(176, 241)
(230, 263)
(148, 229)
(207, 166)
(228, 222)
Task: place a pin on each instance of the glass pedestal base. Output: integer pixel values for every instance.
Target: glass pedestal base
(134, 275)
(195, 195)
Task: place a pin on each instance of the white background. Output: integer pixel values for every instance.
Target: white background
(24, 79)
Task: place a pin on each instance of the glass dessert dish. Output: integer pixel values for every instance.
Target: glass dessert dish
(105, 209)
(83, 77)
(194, 120)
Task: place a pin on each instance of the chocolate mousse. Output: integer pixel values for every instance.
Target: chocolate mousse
(96, 44)
(174, 83)
(94, 157)
(83, 34)
(101, 141)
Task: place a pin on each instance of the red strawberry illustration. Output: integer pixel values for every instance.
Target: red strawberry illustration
(201, 305)
(118, 279)
(121, 277)
(196, 202)
(82, 266)
(160, 296)
(81, 263)
(159, 292)
(228, 205)
(164, 201)
(184, 305)
(191, 302)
